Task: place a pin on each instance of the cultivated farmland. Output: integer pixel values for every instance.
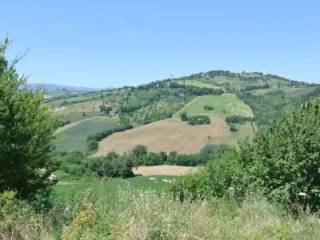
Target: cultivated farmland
(75, 138)
(168, 135)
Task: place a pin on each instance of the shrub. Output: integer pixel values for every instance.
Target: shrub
(199, 120)
(184, 116)
(233, 128)
(284, 162)
(18, 220)
(221, 177)
(208, 108)
(237, 119)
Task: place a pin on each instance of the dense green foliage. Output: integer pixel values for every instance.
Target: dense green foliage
(269, 106)
(141, 156)
(237, 119)
(281, 163)
(184, 116)
(199, 120)
(112, 165)
(284, 162)
(208, 108)
(26, 134)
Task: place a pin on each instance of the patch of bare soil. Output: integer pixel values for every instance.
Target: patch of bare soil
(168, 135)
(164, 170)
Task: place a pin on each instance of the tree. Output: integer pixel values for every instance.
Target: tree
(26, 134)
(140, 151)
(184, 116)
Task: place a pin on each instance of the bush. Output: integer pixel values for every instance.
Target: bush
(284, 162)
(184, 116)
(208, 108)
(221, 177)
(238, 119)
(233, 128)
(199, 120)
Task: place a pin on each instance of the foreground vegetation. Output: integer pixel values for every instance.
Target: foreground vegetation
(147, 215)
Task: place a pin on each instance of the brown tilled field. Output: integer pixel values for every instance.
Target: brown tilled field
(168, 135)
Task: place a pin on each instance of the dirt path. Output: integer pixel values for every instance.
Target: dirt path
(164, 170)
(187, 105)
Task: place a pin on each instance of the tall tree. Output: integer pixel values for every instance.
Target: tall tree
(26, 133)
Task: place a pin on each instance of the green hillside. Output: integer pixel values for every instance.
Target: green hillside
(225, 105)
(262, 96)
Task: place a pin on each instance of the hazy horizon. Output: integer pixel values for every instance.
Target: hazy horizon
(102, 44)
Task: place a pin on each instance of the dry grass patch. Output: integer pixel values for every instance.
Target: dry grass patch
(164, 170)
(168, 135)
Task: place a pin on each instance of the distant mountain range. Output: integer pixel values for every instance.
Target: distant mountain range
(51, 88)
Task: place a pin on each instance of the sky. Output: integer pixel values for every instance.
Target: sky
(107, 43)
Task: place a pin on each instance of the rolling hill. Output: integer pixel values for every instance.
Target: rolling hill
(154, 111)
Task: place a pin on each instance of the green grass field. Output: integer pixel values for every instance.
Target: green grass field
(79, 116)
(74, 139)
(106, 190)
(224, 105)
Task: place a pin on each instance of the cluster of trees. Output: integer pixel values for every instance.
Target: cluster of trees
(112, 165)
(116, 165)
(104, 108)
(93, 141)
(256, 86)
(238, 119)
(196, 91)
(282, 163)
(195, 120)
(141, 156)
(270, 106)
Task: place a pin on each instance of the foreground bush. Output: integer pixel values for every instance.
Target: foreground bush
(284, 163)
(26, 134)
(19, 221)
(221, 177)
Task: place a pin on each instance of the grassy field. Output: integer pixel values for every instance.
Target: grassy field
(138, 208)
(79, 116)
(69, 191)
(224, 105)
(74, 139)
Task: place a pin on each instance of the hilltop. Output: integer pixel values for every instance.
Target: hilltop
(256, 97)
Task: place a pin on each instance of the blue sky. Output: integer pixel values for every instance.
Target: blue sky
(115, 43)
